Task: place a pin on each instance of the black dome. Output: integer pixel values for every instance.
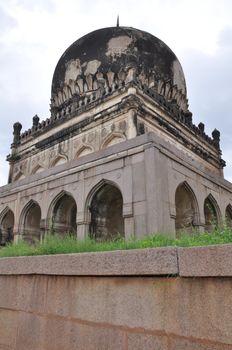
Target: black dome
(116, 47)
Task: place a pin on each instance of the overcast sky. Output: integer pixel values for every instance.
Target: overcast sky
(35, 33)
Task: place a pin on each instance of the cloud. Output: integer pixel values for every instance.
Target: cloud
(225, 38)
(41, 5)
(3, 170)
(209, 78)
(6, 21)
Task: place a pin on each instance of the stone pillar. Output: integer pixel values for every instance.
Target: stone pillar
(216, 138)
(82, 226)
(16, 229)
(132, 131)
(152, 190)
(201, 224)
(128, 217)
(160, 211)
(43, 229)
(17, 127)
(17, 234)
(10, 175)
(129, 227)
(82, 230)
(35, 121)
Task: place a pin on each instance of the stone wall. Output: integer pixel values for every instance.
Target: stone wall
(146, 170)
(151, 299)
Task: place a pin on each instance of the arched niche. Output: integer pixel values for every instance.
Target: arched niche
(113, 139)
(63, 214)
(228, 216)
(38, 169)
(211, 213)
(31, 222)
(7, 227)
(83, 151)
(186, 209)
(19, 176)
(59, 160)
(106, 211)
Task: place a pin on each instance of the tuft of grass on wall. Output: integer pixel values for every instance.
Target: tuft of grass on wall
(55, 244)
(20, 249)
(222, 235)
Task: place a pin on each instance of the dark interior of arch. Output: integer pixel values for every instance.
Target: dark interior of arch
(211, 220)
(32, 223)
(106, 214)
(185, 210)
(228, 216)
(7, 226)
(64, 216)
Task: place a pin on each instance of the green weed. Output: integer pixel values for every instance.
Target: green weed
(55, 244)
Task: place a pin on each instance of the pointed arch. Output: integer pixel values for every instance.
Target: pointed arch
(56, 100)
(62, 214)
(60, 97)
(19, 176)
(60, 159)
(80, 83)
(162, 88)
(37, 169)
(113, 139)
(7, 221)
(167, 89)
(3, 212)
(30, 222)
(187, 209)
(64, 97)
(95, 188)
(104, 208)
(228, 215)
(212, 213)
(84, 150)
(67, 91)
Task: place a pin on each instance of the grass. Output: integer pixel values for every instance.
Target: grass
(54, 244)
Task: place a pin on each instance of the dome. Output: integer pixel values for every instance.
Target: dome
(115, 50)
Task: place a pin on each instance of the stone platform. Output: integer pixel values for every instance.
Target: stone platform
(163, 298)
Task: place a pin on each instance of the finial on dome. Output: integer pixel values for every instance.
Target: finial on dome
(118, 21)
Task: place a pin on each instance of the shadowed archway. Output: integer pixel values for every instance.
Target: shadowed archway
(211, 213)
(31, 222)
(64, 214)
(228, 216)
(7, 227)
(186, 209)
(106, 213)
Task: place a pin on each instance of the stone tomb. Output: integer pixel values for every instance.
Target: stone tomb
(119, 154)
